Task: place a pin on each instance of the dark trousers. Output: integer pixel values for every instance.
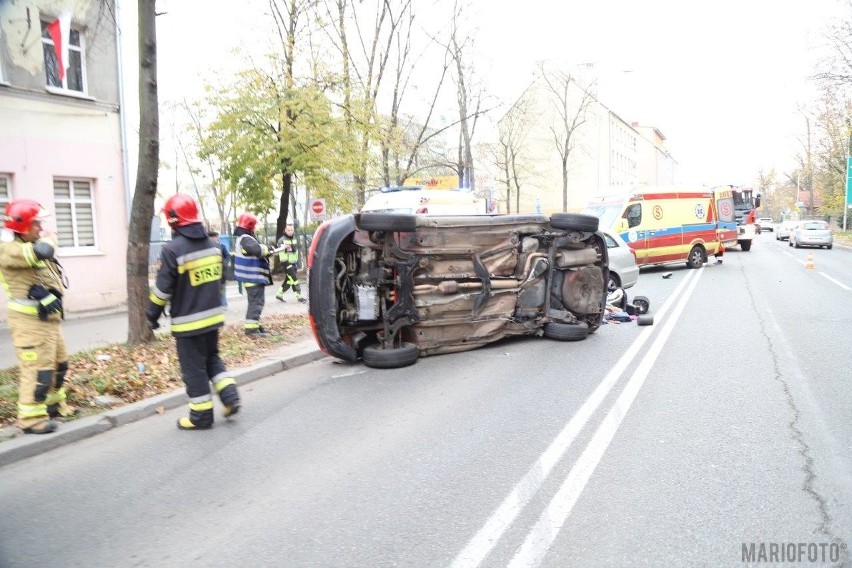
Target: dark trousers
(290, 279)
(256, 298)
(199, 361)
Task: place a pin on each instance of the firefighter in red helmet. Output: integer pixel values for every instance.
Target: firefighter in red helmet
(189, 278)
(251, 268)
(34, 285)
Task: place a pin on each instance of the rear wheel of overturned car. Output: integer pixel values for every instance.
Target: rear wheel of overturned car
(575, 222)
(566, 331)
(378, 358)
(697, 257)
(387, 222)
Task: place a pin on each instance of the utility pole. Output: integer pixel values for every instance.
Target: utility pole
(848, 174)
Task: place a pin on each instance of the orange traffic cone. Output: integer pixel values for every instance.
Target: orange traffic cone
(809, 262)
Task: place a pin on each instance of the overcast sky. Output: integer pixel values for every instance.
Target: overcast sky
(722, 80)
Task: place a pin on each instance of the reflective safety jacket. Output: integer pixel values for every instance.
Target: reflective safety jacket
(20, 269)
(250, 263)
(290, 254)
(189, 278)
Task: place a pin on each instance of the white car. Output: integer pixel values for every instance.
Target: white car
(765, 224)
(812, 234)
(785, 229)
(623, 270)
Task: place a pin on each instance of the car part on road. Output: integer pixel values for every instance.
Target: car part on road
(645, 319)
(641, 304)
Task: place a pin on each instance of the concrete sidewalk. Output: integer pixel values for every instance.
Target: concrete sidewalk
(88, 331)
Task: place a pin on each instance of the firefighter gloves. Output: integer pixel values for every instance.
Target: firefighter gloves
(49, 300)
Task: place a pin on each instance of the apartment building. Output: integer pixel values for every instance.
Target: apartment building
(61, 137)
(607, 153)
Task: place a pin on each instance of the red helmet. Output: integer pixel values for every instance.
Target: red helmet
(247, 221)
(180, 210)
(20, 214)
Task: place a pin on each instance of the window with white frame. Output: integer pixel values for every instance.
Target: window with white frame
(73, 79)
(4, 191)
(75, 216)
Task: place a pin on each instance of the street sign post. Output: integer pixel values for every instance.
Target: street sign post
(317, 206)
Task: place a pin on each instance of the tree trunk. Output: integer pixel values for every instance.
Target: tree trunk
(142, 211)
(284, 203)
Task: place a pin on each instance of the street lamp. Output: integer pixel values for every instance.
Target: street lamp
(848, 174)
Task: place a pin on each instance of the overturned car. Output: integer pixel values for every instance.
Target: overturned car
(389, 288)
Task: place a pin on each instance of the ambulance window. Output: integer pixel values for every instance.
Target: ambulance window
(633, 214)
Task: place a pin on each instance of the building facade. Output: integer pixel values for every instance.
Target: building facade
(607, 154)
(61, 137)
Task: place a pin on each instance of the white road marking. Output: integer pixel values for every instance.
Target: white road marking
(544, 532)
(834, 281)
(487, 537)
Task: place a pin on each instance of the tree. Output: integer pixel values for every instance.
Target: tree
(142, 211)
(571, 102)
(509, 152)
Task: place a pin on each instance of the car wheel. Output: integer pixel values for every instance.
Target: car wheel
(796, 244)
(387, 222)
(696, 258)
(829, 247)
(378, 358)
(790, 242)
(745, 246)
(575, 222)
(566, 331)
(642, 304)
(613, 283)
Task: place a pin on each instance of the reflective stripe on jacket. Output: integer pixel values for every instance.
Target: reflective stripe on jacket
(250, 264)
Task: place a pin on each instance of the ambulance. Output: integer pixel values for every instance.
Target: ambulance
(414, 200)
(663, 225)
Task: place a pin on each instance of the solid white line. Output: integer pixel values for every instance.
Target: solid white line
(834, 281)
(486, 538)
(542, 535)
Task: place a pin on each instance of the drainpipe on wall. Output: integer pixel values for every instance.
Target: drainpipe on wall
(122, 110)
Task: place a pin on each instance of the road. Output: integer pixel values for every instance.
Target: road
(723, 428)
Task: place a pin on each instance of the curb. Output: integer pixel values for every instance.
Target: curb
(24, 446)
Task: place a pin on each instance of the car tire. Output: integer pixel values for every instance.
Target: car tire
(387, 222)
(697, 257)
(829, 247)
(566, 331)
(394, 358)
(745, 246)
(642, 304)
(575, 222)
(645, 320)
(613, 283)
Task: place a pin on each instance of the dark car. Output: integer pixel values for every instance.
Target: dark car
(388, 288)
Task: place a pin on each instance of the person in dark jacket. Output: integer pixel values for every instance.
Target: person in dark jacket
(289, 259)
(189, 278)
(251, 267)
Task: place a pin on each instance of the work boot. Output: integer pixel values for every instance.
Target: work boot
(231, 409)
(230, 398)
(45, 427)
(302, 300)
(255, 332)
(280, 297)
(187, 424)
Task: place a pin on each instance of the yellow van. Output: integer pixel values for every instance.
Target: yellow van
(413, 200)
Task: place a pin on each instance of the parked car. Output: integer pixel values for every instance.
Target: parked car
(623, 270)
(764, 224)
(782, 233)
(813, 234)
(389, 288)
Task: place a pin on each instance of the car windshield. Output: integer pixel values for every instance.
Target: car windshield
(815, 226)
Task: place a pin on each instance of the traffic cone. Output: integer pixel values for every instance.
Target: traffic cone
(809, 262)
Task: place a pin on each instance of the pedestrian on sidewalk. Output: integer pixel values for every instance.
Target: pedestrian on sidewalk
(289, 259)
(34, 284)
(251, 268)
(226, 258)
(189, 278)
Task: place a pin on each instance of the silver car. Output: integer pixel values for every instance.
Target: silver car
(782, 233)
(623, 270)
(813, 234)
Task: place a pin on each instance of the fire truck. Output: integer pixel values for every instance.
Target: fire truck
(737, 210)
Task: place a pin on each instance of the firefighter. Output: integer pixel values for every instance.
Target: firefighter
(34, 284)
(289, 259)
(189, 278)
(251, 268)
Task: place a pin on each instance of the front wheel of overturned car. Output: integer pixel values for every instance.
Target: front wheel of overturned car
(575, 222)
(378, 358)
(387, 222)
(642, 304)
(566, 331)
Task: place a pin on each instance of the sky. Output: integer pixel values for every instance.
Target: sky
(723, 81)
